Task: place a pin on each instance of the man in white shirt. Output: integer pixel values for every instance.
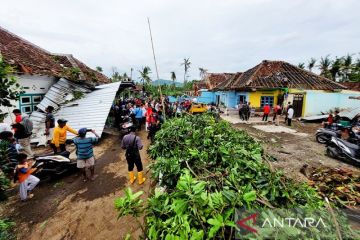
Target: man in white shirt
(290, 114)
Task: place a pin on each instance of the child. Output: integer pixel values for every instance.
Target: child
(26, 180)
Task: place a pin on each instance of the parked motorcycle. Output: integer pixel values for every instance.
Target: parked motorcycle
(324, 135)
(53, 166)
(343, 150)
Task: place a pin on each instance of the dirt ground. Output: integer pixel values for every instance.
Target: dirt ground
(291, 151)
(71, 209)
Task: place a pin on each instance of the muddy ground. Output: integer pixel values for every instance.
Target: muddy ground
(71, 209)
(289, 152)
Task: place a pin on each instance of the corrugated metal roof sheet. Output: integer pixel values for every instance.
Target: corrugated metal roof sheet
(60, 92)
(91, 111)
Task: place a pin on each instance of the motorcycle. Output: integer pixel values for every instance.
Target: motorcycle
(324, 135)
(53, 166)
(125, 125)
(343, 150)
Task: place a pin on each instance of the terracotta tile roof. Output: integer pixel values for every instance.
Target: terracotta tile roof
(279, 74)
(28, 58)
(215, 79)
(355, 86)
(225, 85)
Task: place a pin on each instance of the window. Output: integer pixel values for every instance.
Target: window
(28, 102)
(26, 109)
(241, 98)
(25, 100)
(266, 100)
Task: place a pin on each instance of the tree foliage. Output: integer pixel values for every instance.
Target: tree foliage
(340, 69)
(9, 88)
(186, 65)
(144, 74)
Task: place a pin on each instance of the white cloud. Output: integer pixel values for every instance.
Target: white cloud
(224, 36)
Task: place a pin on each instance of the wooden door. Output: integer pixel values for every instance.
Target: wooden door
(298, 102)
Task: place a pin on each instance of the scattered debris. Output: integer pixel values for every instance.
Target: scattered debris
(340, 185)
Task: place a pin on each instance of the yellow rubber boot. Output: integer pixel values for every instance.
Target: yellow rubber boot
(141, 179)
(131, 177)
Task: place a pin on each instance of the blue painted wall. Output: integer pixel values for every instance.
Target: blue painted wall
(319, 101)
(231, 98)
(206, 97)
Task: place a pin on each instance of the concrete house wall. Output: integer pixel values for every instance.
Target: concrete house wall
(206, 96)
(321, 101)
(35, 87)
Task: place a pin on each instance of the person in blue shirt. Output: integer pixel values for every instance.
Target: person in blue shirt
(85, 153)
(139, 116)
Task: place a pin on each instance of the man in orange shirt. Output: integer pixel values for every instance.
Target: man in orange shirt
(59, 137)
(266, 112)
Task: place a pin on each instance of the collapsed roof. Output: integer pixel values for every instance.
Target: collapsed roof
(28, 58)
(279, 74)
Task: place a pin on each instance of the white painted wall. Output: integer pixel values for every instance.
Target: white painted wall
(32, 84)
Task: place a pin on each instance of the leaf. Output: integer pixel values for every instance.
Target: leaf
(250, 196)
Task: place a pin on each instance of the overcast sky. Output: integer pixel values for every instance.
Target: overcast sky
(219, 35)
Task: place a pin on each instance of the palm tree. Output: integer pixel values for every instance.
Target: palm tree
(347, 66)
(203, 72)
(301, 65)
(173, 77)
(311, 64)
(335, 68)
(324, 66)
(144, 75)
(186, 65)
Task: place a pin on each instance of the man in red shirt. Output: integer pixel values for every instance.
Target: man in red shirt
(266, 112)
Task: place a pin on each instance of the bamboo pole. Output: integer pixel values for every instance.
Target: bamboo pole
(156, 68)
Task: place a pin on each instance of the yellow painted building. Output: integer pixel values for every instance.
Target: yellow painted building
(261, 97)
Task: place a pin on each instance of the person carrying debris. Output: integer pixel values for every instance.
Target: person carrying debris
(23, 127)
(133, 144)
(59, 138)
(49, 123)
(85, 153)
(23, 173)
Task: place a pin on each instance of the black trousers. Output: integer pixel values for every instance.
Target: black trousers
(265, 117)
(134, 161)
(62, 148)
(138, 123)
(289, 121)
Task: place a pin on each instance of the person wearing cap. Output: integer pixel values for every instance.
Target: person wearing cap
(59, 137)
(133, 144)
(84, 152)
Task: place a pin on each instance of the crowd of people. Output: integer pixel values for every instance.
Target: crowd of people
(17, 138)
(244, 109)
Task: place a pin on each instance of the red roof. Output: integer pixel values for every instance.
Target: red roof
(355, 86)
(212, 80)
(28, 58)
(279, 74)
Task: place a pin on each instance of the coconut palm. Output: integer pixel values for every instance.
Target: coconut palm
(203, 72)
(301, 65)
(324, 66)
(186, 65)
(347, 66)
(173, 77)
(311, 64)
(144, 75)
(335, 68)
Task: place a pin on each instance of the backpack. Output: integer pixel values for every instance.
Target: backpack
(28, 125)
(132, 151)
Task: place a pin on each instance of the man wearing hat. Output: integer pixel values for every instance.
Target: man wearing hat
(59, 135)
(84, 152)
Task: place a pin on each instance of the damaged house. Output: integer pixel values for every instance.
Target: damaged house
(59, 80)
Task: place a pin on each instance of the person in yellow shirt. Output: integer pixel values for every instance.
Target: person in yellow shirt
(59, 137)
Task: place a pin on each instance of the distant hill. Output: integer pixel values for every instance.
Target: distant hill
(166, 82)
